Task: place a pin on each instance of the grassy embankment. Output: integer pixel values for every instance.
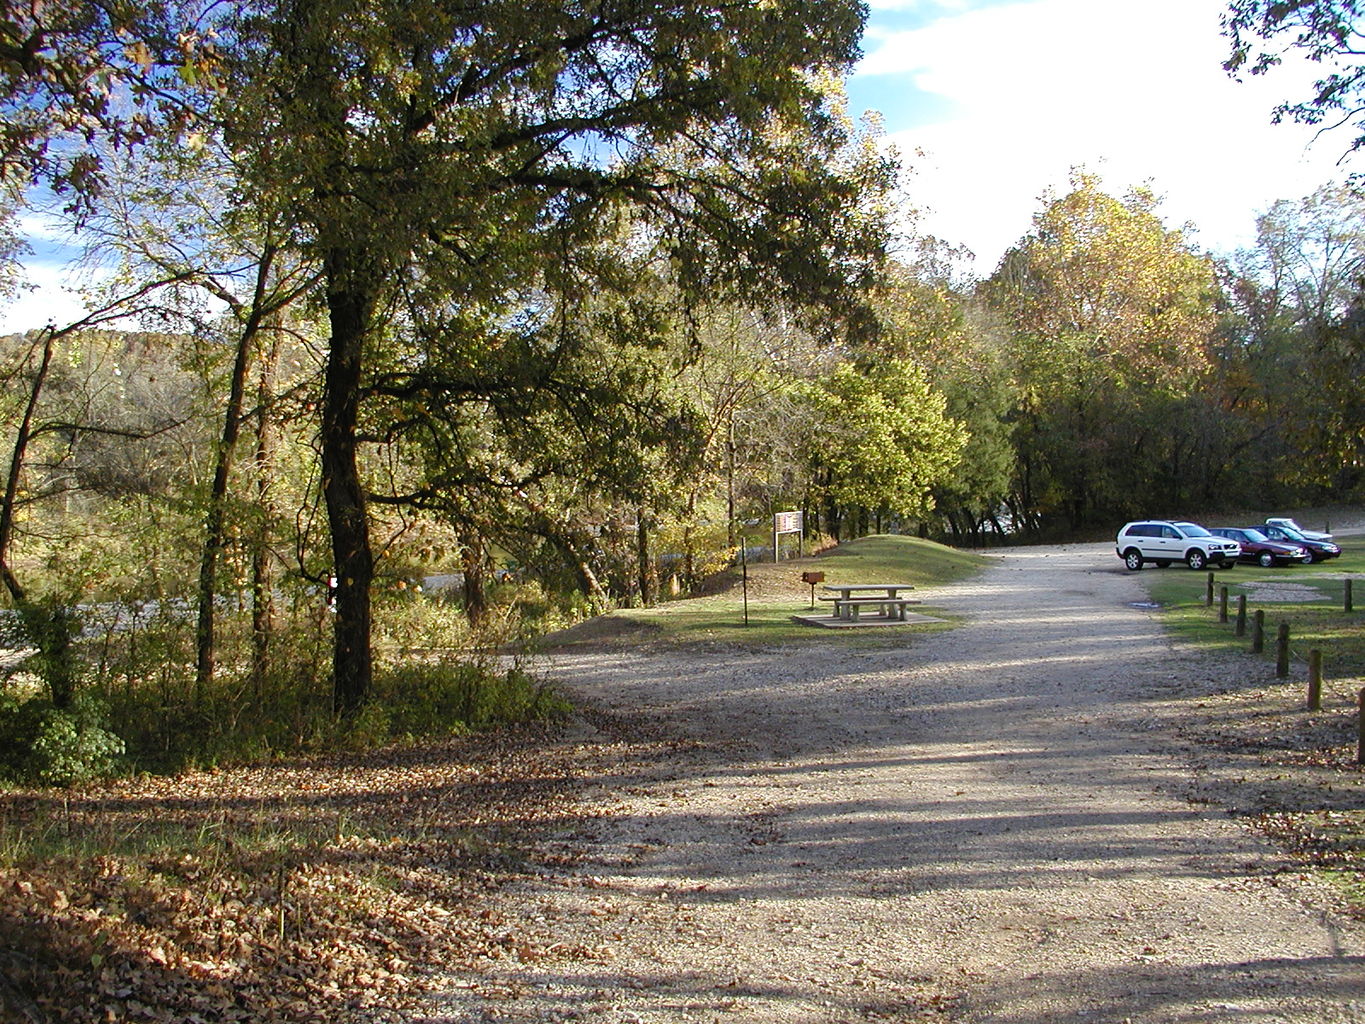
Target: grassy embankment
(776, 594)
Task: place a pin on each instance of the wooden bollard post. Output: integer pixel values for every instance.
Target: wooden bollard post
(1258, 632)
(1241, 615)
(1208, 592)
(1349, 606)
(1282, 652)
(1314, 679)
(1222, 604)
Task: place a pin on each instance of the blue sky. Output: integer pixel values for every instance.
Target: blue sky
(1004, 97)
(991, 102)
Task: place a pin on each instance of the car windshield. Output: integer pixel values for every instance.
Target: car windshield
(1193, 530)
(1255, 536)
(1291, 533)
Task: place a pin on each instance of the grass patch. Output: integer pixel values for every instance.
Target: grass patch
(1310, 599)
(776, 593)
(1308, 758)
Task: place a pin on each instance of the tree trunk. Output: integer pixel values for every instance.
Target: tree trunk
(953, 527)
(644, 559)
(262, 574)
(16, 469)
(213, 520)
(689, 566)
(474, 561)
(47, 624)
(587, 579)
(350, 305)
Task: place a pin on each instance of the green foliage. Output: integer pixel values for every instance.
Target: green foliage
(46, 626)
(1296, 340)
(882, 438)
(436, 698)
(926, 315)
(45, 745)
(430, 683)
(1111, 316)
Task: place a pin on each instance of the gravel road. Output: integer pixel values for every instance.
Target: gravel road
(986, 824)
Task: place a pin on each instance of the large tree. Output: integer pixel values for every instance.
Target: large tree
(452, 161)
(1297, 302)
(927, 314)
(1111, 311)
(880, 441)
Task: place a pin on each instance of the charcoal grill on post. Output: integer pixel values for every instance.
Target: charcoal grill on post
(812, 578)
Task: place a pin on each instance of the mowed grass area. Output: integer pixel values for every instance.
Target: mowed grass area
(1310, 598)
(776, 593)
(1302, 763)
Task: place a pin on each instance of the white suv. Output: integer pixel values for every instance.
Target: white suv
(1162, 542)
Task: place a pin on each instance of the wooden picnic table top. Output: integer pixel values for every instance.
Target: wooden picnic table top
(889, 589)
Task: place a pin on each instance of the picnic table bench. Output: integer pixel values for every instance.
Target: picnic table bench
(850, 599)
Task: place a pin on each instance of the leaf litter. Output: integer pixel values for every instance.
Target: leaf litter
(325, 889)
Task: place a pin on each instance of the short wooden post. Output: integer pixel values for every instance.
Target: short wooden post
(1360, 728)
(1208, 592)
(1258, 632)
(1314, 679)
(1282, 651)
(1349, 606)
(1222, 604)
(1241, 615)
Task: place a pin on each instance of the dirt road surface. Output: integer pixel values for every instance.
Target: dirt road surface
(987, 824)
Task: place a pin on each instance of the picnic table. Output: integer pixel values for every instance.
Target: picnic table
(851, 598)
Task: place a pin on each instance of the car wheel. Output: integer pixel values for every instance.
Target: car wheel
(1196, 559)
(1310, 557)
(1133, 559)
(1266, 559)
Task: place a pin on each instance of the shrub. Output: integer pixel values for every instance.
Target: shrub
(426, 699)
(46, 745)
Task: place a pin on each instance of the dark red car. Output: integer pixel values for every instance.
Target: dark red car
(1258, 548)
(1318, 550)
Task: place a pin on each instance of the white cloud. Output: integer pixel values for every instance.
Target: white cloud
(1036, 88)
(50, 300)
(911, 5)
(42, 227)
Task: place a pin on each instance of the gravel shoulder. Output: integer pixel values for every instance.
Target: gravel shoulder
(1006, 822)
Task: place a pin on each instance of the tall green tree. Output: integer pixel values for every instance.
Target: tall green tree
(880, 441)
(938, 324)
(451, 158)
(1298, 298)
(1109, 311)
